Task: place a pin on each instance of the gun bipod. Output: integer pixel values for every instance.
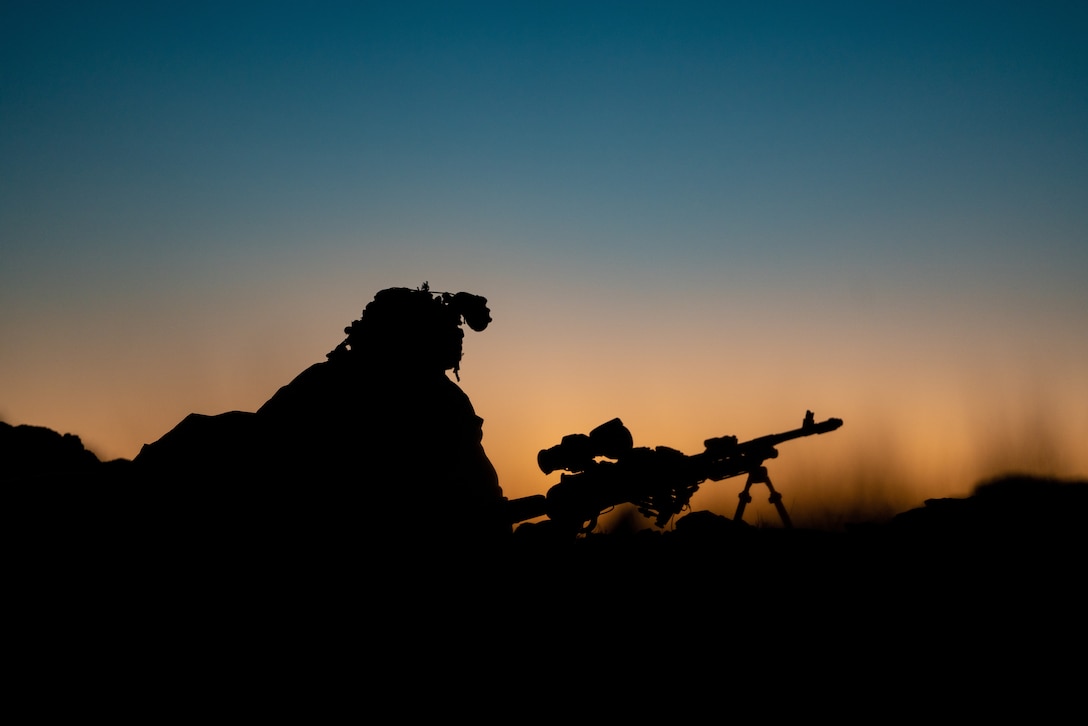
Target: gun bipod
(759, 475)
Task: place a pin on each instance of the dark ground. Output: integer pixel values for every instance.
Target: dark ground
(279, 588)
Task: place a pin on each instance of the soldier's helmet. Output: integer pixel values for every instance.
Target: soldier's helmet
(413, 328)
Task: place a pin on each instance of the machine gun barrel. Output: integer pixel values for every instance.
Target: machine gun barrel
(724, 457)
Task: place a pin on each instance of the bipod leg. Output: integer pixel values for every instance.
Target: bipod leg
(759, 476)
(745, 500)
(776, 500)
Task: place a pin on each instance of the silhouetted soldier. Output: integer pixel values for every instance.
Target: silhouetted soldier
(382, 414)
(376, 440)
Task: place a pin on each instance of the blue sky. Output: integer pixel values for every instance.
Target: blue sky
(195, 199)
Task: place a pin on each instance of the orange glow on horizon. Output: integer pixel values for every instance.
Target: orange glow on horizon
(921, 420)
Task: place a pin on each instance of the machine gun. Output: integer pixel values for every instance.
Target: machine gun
(659, 481)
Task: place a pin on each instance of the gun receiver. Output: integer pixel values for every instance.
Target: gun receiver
(659, 481)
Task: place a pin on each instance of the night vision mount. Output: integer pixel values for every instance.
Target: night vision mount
(470, 308)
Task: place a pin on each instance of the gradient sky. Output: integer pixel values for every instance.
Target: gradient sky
(704, 218)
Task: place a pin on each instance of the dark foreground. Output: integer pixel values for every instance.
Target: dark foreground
(116, 599)
(286, 599)
(86, 546)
